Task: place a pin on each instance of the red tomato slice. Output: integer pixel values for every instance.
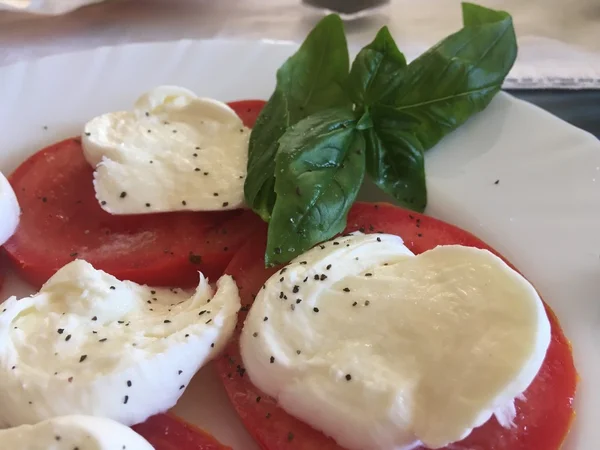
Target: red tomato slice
(169, 432)
(542, 421)
(248, 110)
(62, 221)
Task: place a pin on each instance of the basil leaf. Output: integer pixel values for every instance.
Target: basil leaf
(459, 76)
(311, 80)
(319, 169)
(377, 70)
(440, 90)
(395, 157)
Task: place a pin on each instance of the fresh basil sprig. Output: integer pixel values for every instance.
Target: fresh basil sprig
(325, 126)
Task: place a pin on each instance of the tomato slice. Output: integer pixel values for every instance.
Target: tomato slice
(542, 421)
(169, 432)
(62, 221)
(248, 110)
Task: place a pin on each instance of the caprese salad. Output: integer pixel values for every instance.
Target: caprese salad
(334, 324)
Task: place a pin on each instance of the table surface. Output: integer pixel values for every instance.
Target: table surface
(415, 25)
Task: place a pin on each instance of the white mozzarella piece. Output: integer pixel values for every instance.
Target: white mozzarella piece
(90, 344)
(73, 432)
(381, 349)
(9, 210)
(173, 152)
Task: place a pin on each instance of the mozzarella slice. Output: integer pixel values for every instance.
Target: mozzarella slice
(9, 210)
(381, 349)
(90, 344)
(173, 152)
(73, 432)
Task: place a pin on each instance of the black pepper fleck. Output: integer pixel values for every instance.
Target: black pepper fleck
(68, 338)
(195, 259)
(315, 309)
(225, 204)
(272, 359)
(125, 399)
(82, 358)
(166, 321)
(328, 266)
(123, 194)
(265, 319)
(348, 377)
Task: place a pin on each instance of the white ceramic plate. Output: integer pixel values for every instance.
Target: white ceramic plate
(544, 214)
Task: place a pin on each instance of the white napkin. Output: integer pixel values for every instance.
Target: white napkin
(48, 7)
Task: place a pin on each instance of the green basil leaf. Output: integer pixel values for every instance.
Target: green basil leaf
(311, 80)
(320, 167)
(395, 157)
(440, 90)
(377, 70)
(365, 122)
(459, 76)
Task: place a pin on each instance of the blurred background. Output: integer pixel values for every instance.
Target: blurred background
(558, 65)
